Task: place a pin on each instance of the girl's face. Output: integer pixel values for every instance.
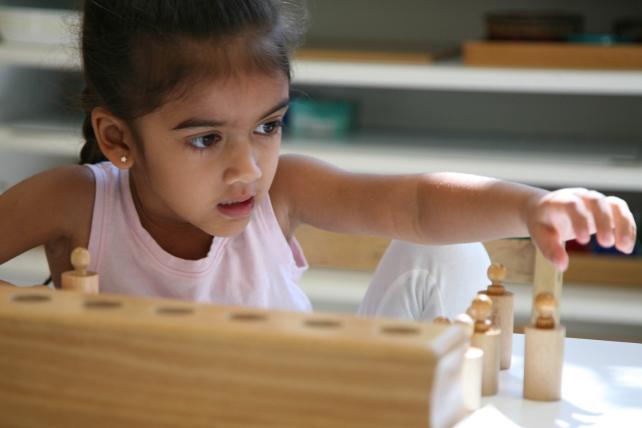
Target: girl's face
(209, 157)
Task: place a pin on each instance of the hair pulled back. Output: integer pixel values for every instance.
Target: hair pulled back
(138, 53)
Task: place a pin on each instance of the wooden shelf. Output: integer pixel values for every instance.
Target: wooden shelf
(605, 269)
(446, 76)
(584, 56)
(451, 76)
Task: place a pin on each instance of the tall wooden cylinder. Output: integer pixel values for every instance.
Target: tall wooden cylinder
(489, 343)
(543, 361)
(503, 319)
(502, 316)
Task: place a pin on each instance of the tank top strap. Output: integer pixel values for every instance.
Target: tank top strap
(269, 222)
(105, 189)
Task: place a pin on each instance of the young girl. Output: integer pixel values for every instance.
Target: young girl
(183, 193)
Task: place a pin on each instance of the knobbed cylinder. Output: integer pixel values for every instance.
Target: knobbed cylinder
(503, 313)
(544, 352)
(486, 338)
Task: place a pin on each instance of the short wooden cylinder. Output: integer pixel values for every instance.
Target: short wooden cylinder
(503, 318)
(488, 342)
(472, 378)
(87, 283)
(543, 362)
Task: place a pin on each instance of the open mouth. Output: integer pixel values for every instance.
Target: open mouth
(237, 208)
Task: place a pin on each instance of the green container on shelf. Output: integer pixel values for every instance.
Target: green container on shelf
(320, 118)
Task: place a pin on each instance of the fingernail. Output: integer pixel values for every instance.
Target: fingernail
(628, 244)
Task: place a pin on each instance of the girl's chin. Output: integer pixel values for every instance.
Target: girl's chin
(231, 227)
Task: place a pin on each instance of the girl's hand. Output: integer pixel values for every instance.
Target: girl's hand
(568, 214)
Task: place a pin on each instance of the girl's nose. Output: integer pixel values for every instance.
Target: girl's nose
(242, 165)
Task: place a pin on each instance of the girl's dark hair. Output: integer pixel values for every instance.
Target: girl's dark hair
(139, 53)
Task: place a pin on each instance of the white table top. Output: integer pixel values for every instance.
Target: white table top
(601, 387)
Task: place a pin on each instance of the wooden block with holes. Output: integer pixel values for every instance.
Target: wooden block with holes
(70, 359)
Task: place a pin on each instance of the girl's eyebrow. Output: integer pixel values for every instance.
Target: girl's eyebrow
(196, 122)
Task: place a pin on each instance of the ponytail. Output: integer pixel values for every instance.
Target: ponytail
(90, 152)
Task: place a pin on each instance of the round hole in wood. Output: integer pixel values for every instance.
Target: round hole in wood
(174, 310)
(31, 298)
(247, 317)
(323, 323)
(103, 304)
(399, 330)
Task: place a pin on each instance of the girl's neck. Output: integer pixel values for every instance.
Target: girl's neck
(181, 240)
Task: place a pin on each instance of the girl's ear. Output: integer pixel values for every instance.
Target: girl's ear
(113, 137)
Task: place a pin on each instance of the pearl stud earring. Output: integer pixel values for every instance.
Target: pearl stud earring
(123, 159)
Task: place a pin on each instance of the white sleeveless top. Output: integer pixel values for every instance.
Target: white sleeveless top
(256, 268)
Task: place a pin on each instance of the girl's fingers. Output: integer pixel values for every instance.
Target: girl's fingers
(602, 216)
(577, 213)
(549, 243)
(625, 229)
(580, 220)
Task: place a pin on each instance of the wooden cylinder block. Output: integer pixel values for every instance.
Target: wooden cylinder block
(80, 279)
(503, 319)
(72, 281)
(489, 343)
(69, 359)
(543, 361)
(502, 315)
(472, 378)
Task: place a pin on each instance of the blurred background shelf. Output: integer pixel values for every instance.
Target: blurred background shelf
(605, 269)
(551, 55)
(453, 76)
(551, 166)
(40, 56)
(442, 76)
(47, 142)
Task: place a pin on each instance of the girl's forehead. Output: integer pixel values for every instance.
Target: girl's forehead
(244, 92)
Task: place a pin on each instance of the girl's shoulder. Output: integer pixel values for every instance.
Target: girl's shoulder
(280, 196)
(50, 206)
(298, 181)
(70, 188)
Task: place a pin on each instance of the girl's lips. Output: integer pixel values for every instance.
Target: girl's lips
(237, 209)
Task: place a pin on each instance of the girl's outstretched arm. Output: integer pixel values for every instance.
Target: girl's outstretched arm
(445, 208)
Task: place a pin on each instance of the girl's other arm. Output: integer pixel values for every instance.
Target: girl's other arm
(446, 208)
(50, 207)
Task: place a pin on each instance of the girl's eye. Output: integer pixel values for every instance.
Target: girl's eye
(269, 128)
(204, 141)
